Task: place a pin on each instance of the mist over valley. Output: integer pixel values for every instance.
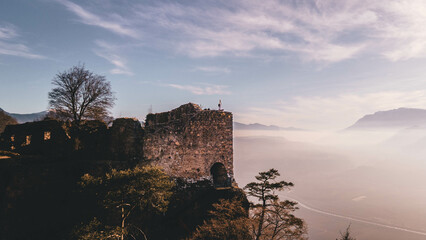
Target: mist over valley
(369, 177)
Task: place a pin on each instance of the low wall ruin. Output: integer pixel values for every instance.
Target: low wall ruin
(187, 142)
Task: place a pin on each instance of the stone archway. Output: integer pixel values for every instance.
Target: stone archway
(220, 175)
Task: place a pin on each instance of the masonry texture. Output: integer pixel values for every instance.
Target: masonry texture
(126, 139)
(187, 142)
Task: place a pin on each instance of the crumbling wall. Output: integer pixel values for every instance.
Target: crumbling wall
(54, 138)
(47, 138)
(126, 140)
(90, 139)
(188, 141)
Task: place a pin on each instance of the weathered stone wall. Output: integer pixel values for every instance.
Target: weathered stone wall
(187, 141)
(43, 138)
(126, 140)
(53, 138)
(90, 139)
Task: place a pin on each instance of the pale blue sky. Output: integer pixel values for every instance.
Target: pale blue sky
(311, 64)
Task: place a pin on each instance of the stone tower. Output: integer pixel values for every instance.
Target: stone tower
(191, 143)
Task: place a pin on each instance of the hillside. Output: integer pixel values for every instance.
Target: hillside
(5, 119)
(26, 117)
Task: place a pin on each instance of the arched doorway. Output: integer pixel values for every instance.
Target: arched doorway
(220, 176)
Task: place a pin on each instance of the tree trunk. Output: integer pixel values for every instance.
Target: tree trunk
(122, 222)
(261, 219)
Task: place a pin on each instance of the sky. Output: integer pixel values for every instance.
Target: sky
(307, 64)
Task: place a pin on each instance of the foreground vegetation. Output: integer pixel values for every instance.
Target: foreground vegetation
(126, 195)
(123, 194)
(268, 217)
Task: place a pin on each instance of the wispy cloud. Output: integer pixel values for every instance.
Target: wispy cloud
(89, 18)
(109, 52)
(8, 31)
(212, 69)
(334, 112)
(209, 89)
(9, 45)
(402, 29)
(320, 31)
(313, 30)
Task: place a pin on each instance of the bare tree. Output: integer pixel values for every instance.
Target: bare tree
(80, 94)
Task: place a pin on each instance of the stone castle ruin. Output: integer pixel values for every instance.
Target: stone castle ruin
(187, 142)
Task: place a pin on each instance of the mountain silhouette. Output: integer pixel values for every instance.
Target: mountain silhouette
(393, 119)
(258, 126)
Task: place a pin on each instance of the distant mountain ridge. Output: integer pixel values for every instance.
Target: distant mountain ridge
(258, 126)
(393, 119)
(29, 117)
